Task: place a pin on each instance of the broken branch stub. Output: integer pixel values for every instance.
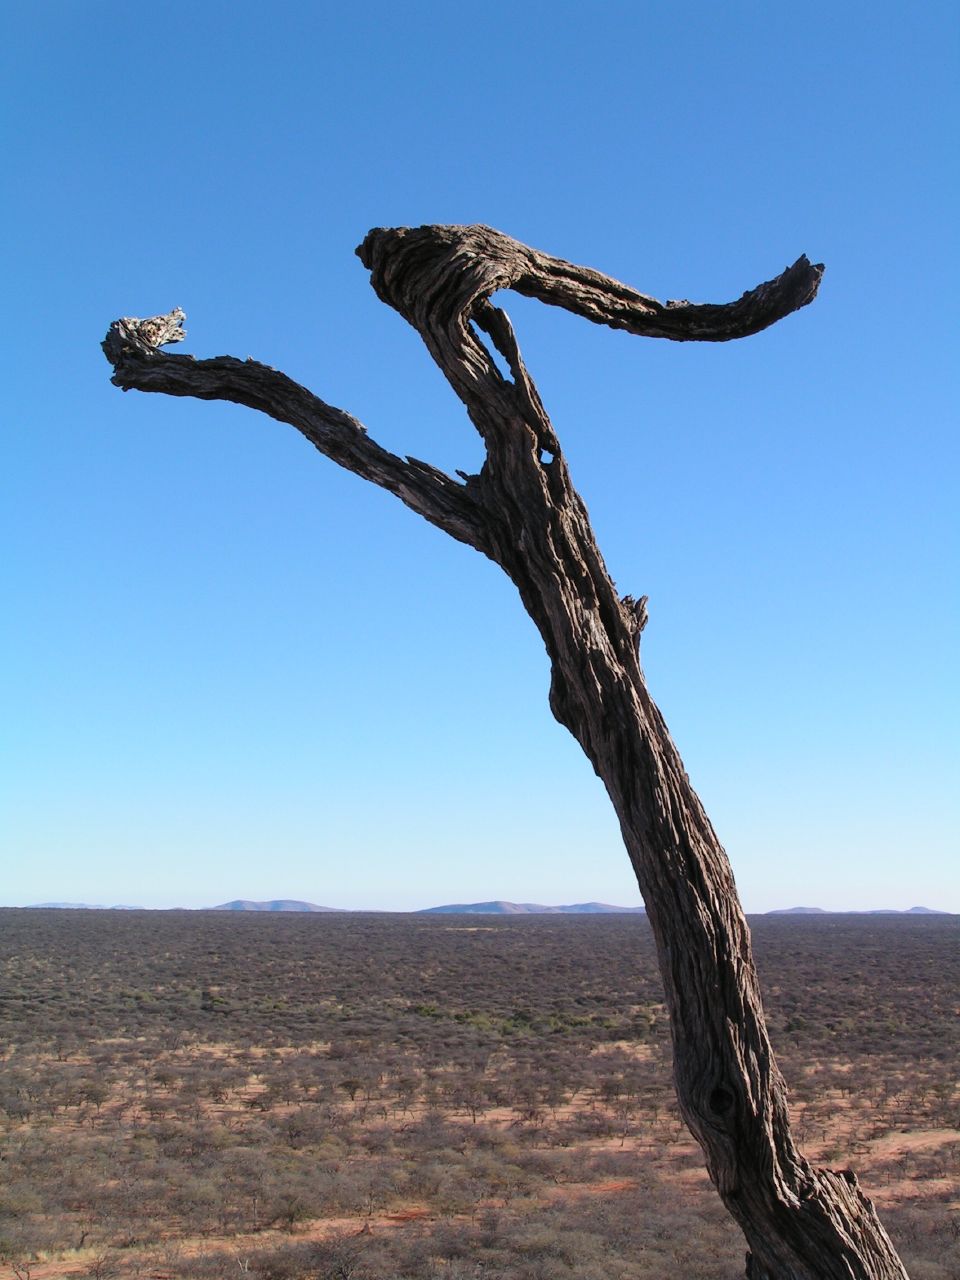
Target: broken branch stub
(129, 334)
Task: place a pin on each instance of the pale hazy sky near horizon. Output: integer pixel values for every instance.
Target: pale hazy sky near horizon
(232, 670)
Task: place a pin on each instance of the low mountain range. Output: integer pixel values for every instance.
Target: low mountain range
(275, 904)
(528, 909)
(494, 908)
(878, 911)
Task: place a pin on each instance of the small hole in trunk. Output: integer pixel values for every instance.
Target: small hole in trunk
(721, 1100)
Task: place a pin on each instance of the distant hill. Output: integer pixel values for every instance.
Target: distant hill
(912, 911)
(77, 906)
(528, 909)
(276, 904)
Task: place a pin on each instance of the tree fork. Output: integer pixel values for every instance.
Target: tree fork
(522, 511)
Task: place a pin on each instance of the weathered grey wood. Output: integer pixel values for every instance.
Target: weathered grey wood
(801, 1223)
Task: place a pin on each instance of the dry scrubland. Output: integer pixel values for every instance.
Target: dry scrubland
(372, 1097)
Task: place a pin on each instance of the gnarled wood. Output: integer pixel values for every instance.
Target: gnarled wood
(522, 511)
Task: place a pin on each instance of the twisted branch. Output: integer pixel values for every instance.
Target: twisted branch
(486, 260)
(131, 346)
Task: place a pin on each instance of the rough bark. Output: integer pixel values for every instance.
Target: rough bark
(521, 510)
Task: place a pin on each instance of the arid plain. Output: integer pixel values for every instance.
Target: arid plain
(375, 1097)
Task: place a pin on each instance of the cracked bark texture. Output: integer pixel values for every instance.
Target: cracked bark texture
(522, 511)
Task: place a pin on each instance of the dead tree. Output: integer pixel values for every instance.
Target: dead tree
(522, 511)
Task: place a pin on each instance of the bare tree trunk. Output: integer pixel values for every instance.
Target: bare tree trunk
(801, 1223)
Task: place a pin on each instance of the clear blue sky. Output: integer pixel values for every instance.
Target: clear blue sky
(232, 670)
